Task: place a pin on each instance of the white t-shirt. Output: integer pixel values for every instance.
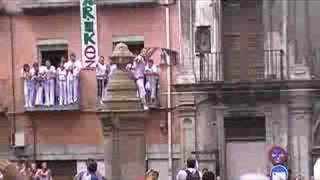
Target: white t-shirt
(50, 72)
(62, 74)
(75, 66)
(101, 71)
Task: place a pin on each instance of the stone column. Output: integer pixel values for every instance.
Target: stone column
(220, 113)
(185, 74)
(300, 113)
(111, 148)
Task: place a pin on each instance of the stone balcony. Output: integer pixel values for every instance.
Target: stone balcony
(35, 4)
(38, 4)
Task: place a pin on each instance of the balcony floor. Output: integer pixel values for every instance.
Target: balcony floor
(70, 107)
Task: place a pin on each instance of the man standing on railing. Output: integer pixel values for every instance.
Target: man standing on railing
(138, 69)
(73, 67)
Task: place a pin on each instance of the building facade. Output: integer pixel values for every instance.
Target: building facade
(33, 31)
(246, 80)
(248, 83)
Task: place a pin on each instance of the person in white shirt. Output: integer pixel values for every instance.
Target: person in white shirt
(28, 86)
(73, 67)
(138, 69)
(152, 76)
(38, 76)
(192, 168)
(101, 74)
(49, 84)
(62, 84)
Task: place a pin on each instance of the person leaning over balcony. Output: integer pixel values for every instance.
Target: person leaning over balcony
(138, 68)
(152, 74)
(62, 84)
(28, 86)
(50, 74)
(44, 173)
(101, 74)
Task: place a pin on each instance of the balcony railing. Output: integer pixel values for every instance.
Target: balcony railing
(38, 95)
(212, 67)
(31, 4)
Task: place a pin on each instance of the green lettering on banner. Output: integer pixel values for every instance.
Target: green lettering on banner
(88, 26)
(87, 12)
(88, 38)
(87, 3)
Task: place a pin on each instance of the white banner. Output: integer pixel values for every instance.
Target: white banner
(89, 33)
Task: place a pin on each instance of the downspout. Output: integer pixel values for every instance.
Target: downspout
(13, 115)
(170, 156)
(180, 34)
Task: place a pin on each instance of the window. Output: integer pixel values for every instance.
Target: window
(52, 50)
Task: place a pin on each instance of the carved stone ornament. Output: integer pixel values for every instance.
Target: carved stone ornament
(121, 55)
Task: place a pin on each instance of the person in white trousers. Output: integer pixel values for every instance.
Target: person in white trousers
(62, 83)
(138, 68)
(73, 67)
(38, 76)
(49, 84)
(101, 75)
(152, 76)
(28, 86)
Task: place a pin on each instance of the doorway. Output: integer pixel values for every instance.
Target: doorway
(245, 146)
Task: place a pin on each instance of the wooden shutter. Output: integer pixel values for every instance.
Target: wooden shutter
(243, 40)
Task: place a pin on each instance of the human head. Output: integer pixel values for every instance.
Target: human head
(143, 52)
(150, 62)
(101, 60)
(35, 65)
(191, 163)
(204, 170)
(209, 175)
(33, 166)
(48, 63)
(44, 165)
(73, 57)
(92, 166)
(26, 68)
(155, 175)
(62, 59)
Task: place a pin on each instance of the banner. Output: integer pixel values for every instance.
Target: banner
(89, 33)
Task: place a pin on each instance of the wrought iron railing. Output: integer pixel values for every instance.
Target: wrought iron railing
(314, 63)
(210, 67)
(274, 64)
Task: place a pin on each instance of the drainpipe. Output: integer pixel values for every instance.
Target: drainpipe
(180, 33)
(13, 116)
(170, 162)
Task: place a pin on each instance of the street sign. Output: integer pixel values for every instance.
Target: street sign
(89, 33)
(278, 155)
(279, 172)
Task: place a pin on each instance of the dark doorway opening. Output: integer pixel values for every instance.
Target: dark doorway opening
(53, 56)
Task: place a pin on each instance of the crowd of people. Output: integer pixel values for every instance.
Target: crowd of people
(30, 171)
(46, 85)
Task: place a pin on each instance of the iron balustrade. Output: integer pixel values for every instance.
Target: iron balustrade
(210, 67)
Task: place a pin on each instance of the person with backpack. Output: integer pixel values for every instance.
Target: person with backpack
(191, 172)
(91, 173)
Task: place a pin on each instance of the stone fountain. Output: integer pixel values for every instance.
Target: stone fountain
(122, 118)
